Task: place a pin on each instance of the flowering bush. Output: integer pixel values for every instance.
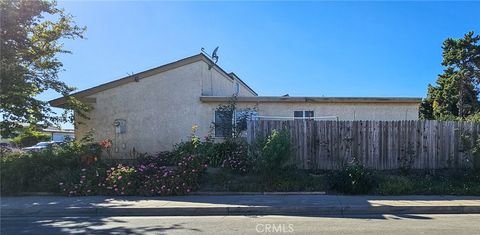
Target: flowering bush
(160, 180)
(64, 170)
(146, 179)
(236, 157)
(154, 180)
(84, 182)
(188, 172)
(121, 180)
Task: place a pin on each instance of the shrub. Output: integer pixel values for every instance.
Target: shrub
(121, 180)
(156, 179)
(292, 179)
(30, 136)
(41, 171)
(165, 158)
(85, 181)
(395, 185)
(231, 154)
(476, 155)
(352, 179)
(188, 172)
(275, 152)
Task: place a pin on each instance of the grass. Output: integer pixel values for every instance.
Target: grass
(440, 182)
(289, 181)
(425, 183)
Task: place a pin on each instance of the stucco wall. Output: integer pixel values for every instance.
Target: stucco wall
(215, 83)
(159, 110)
(344, 111)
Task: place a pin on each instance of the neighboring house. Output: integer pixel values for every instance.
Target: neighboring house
(59, 135)
(152, 110)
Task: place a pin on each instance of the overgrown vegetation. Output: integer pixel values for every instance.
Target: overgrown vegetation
(75, 168)
(354, 178)
(441, 182)
(33, 172)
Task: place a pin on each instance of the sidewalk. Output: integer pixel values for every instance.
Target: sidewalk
(236, 205)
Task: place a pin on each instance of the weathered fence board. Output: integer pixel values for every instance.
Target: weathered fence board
(377, 144)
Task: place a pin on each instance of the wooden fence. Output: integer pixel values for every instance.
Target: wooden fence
(378, 145)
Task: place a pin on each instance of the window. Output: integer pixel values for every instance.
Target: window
(241, 119)
(223, 123)
(308, 114)
(227, 122)
(303, 114)
(298, 114)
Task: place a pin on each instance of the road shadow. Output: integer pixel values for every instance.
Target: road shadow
(83, 225)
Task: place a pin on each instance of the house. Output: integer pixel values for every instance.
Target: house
(59, 135)
(154, 109)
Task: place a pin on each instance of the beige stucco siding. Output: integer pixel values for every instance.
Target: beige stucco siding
(159, 110)
(344, 111)
(216, 83)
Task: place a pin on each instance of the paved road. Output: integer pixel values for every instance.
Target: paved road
(371, 225)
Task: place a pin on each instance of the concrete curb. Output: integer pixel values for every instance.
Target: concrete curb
(246, 210)
(254, 193)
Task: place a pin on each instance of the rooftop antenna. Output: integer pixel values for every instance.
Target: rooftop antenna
(213, 57)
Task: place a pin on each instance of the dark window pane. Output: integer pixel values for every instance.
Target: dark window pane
(308, 113)
(223, 123)
(298, 114)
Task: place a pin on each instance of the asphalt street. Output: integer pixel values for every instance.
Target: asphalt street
(369, 224)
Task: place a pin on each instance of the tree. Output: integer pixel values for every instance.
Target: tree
(456, 92)
(29, 48)
(29, 136)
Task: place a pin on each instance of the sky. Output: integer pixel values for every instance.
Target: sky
(366, 49)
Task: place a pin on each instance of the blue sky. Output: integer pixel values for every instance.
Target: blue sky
(303, 49)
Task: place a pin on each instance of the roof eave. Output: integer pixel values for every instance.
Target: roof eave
(60, 102)
(293, 99)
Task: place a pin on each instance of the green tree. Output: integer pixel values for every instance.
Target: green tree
(29, 136)
(455, 95)
(29, 46)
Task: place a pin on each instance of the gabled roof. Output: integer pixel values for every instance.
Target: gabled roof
(59, 102)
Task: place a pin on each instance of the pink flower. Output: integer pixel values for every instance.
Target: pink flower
(119, 177)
